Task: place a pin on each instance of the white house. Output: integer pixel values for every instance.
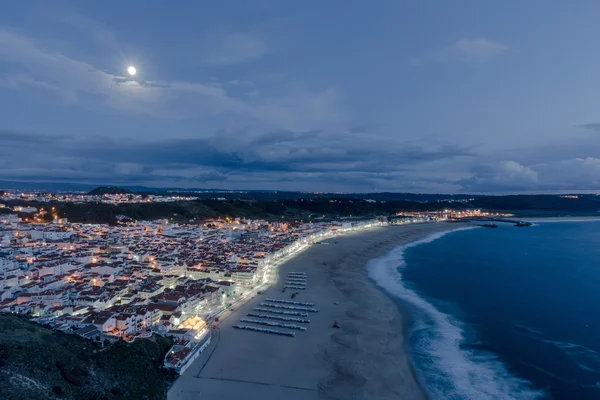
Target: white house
(126, 324)
(229, 288)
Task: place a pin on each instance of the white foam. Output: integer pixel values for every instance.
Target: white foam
(450, 372)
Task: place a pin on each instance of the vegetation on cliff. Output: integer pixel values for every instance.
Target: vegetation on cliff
(102, 190)
(39, 363)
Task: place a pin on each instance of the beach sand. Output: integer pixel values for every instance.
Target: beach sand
(365, 359)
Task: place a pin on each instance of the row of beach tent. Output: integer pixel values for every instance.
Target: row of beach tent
(265, 330)
(296, 278)
(288, 282)
(295, 303)
(269, 323)
(291, 308)
(294, 313)
(295, 287)
(278, 318)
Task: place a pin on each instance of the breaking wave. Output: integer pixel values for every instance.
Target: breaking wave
(447, 367)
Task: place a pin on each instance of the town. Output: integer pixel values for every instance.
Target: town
(82, 197)
(450, 214)
(135, 279)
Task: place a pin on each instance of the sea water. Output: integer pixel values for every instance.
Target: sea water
(506, 313)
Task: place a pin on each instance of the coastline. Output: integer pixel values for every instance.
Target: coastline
(496, 347)
(564, 219)
(367, 357)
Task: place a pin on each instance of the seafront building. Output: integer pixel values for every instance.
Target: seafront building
(450, 214)
(138, 279)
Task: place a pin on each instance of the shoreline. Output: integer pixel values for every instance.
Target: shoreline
(368, 357)
(389, 365)
(462, 349)
(564, 219)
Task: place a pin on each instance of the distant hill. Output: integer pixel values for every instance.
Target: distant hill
(39, 363)
(100, 190)
(307, 209)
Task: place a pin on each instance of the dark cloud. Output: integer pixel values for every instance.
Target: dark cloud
(333, 160)
(594, 126)
(345, 157)
(7, 137)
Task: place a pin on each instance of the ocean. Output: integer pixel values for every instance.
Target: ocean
(506, 313)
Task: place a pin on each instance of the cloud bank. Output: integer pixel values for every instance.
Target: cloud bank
(310, 160)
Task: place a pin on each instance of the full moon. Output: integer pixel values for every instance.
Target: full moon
(131, 70)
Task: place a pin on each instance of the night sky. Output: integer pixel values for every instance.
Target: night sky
(339, 95)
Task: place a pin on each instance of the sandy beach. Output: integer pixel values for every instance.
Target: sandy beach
(364, 359)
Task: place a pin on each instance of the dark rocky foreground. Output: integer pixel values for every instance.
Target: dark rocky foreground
(39, 363)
